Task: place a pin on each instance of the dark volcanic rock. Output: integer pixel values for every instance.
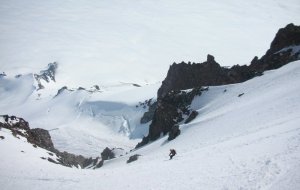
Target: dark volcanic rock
(68, 159)
(107, 154)
(170, 111)
(191, 117)
(133, 158)
(174, 132)
(285, 37)
(186, 76)
(41, 138)
(148, 116)
(284, 49)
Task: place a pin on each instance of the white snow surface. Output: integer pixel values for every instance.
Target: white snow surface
(80, 121)
(246, 142)
(136, 40)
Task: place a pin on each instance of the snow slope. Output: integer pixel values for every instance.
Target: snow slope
(79, 121)
(135, 40)
(249, 141)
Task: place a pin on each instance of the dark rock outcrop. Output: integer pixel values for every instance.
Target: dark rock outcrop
(191, 117)
(61, 90)
(174, 132)
(170, 111)
(46, 75)
(284, 49)
(186, 75)
(148, 115)
(93, 89)
(41, 138)
(107, 154)
(133, 158)
(285, 37)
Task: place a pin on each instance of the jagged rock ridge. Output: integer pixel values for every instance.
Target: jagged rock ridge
(46, 75)
(284, 49)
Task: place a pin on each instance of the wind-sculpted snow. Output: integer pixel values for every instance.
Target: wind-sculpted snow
(15, 91)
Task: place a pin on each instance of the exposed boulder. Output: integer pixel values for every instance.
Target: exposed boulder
(133, 158)
(107, 154)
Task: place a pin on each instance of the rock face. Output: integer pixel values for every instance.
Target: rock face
(107, 154)
(174, 132)
(171, 110)
(133, 158)
(209, 73)
(41, 138)
(46, 75)
(285, 48)
(150, 113)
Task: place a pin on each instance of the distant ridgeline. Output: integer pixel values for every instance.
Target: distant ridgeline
(173, 103)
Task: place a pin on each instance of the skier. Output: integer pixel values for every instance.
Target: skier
(172, 153)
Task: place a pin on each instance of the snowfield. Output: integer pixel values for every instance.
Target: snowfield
(249, 141)
(246, 136)
(107, 41)
(79, 121)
